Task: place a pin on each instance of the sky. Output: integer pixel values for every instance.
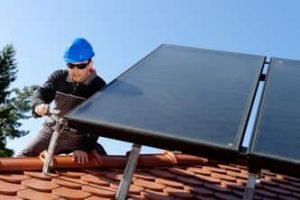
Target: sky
(123, 31)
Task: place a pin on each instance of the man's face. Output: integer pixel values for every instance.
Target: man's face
(80, 71)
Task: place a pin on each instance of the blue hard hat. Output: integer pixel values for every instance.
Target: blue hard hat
(78, 51)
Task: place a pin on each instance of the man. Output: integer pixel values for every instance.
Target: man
(67, 88)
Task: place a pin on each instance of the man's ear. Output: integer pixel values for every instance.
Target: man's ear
(91, 66)
(91, 63)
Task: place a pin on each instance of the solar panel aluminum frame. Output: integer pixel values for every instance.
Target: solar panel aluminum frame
(259, 160)
(162, 139)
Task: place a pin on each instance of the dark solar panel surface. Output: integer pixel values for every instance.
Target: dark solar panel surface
(277, 134)
(176, 98)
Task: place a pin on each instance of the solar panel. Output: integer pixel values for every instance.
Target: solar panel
(179, 98)
(276, 143)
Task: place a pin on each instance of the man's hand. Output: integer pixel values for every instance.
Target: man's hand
(41, 109)
(81, 157)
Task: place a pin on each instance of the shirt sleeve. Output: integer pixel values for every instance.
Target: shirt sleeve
(45, 93)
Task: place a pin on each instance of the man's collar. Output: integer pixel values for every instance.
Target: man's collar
(87, 81)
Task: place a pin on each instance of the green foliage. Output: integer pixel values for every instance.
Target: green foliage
(8, 70)
(14, 103)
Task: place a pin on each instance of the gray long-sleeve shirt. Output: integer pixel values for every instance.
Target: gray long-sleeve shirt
(66, 95)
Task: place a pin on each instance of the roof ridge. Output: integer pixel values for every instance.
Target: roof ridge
(104, 161)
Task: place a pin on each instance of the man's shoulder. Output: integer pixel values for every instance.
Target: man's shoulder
(100, 81)
(59, 73)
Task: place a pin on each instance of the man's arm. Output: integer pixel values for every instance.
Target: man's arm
(44, 95)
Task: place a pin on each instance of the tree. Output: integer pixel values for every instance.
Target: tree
(14, 103)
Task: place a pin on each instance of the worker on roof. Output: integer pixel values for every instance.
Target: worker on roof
(67, 88)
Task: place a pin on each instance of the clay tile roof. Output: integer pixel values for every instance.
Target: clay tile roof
(158, 176)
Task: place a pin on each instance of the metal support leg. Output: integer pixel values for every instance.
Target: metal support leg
(250, 187)
(59, 128)
(128, 172)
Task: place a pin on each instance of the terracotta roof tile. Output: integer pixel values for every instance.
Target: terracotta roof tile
(290, 187)
(233, 185)
(268, 173)
(114, 184)
(91, 171)
(237, 174)
(154, 195)
(135, 189)
(9, 188)
(238, 193)
(40, 175)
(65, 183)
(7, 197)
(98, 191)
(190, 181)
(159, 176)
(13, 178)
(134, 197)
(89, 178)
(34, 195)
(39, 185)
(169, 183)
(294, 179)
(296, 194)
(230, 167)
(202, 191)
(264, 181)
(277, 190)
(241, 181)
(223, 176)
(70, 194)
(144, 175)
(297, 184)
(257, 197)
(287, 197)
(103, 179)
(214, 169)
(181, 172)
(114, 176)
(71, 174)
(198, 170)
(217, 188)
(178, 193)
(209, 179)
(226, 196)
(265, 193)
(107, 188)
(149, 185)
(199, 197)
(162, 172)
(98, 198)
(281, 181)
(73, 180)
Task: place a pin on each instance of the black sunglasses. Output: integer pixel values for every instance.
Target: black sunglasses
(79, 66)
